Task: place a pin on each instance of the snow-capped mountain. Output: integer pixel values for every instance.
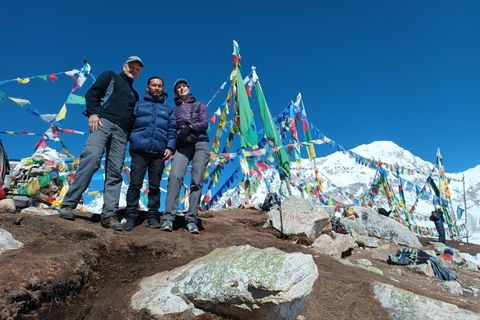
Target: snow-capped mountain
(341, 172)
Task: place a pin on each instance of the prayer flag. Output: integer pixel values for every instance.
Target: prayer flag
(63, 112)
(74, 99)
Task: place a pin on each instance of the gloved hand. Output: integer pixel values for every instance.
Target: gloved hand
(184, 133)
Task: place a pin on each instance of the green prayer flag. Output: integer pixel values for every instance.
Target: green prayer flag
(247, 123)
(74, 99)
(271, 131)
(45, 180)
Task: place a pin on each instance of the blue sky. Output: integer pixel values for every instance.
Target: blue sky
(403, 71)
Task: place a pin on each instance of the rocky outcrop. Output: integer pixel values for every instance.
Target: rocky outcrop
(337, 247)
(241, 282)
(386, 228)
(299, 218)
(405, 305)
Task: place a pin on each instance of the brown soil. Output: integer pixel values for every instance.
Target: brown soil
(78, 270)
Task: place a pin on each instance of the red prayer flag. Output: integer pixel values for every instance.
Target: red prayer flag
(52, 77)
(294, 129)
(305, 125)
(214, 118)
(42, 143)
(248, 92)
(76, 84)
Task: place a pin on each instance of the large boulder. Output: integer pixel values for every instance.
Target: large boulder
(383, 227)
(405, 305)
(299, 218)
(7, 242)
(338, 247)
(240, 282)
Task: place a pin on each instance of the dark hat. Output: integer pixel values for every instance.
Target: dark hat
(134, 59)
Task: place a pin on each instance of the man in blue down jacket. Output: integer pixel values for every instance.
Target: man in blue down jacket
(152, 142)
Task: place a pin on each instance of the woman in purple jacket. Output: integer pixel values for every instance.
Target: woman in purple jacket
(192, 146)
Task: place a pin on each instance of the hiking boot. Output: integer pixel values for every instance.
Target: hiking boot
(129, 225)
(153, 223)
(67, 213)
(111, 222)
(192, 227)
(167, 225)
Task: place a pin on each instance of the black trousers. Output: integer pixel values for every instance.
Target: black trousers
(440, 230)
(139, 165)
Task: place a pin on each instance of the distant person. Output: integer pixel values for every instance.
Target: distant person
(438, 219)
(192, 146)
(110, 102)
(151, 144)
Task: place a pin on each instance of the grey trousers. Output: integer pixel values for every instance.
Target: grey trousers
(199, 155)
(110, 138)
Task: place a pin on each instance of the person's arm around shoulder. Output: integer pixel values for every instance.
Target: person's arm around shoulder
(171, 135)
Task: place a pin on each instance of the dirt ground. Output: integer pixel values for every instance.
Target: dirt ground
(78, 270)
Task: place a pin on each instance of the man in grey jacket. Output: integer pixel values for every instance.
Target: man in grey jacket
(110, 102)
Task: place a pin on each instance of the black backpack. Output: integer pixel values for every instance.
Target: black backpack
(4, 164)
(405, 256)
(271, 200)
(339, 227)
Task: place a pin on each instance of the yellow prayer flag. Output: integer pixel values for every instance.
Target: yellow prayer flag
(63, 112)
(63, 192)
(57, 202)
(182, 198)
(229, 144)
(20, 102)
(24, 81)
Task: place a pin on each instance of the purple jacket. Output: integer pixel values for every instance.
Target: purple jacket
(200, 116)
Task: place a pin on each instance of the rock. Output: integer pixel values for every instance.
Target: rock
(470, 266)
(454, 287)
(380, 256)
(364, 262)
(7, 242)
(7, 206)
(239, 282)
(371, 268)
(35, 211)
(299, 218)
(354, 224)
(405, 305)
(341, 246)
(371, 242)
(387, 228)
(357, 239)
(424, 268)
(384, 247)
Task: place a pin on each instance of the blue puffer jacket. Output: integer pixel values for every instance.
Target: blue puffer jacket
(155, 127)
